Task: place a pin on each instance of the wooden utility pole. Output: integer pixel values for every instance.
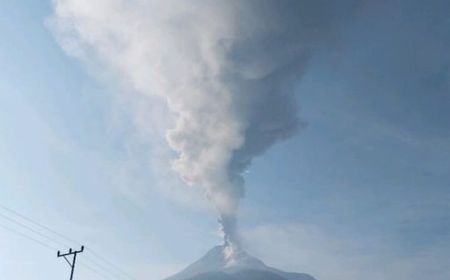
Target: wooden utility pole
(74, 259)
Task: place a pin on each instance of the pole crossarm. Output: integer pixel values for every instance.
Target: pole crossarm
(71, 252)
(74, 258)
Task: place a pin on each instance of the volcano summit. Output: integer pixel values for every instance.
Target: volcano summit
(225, 263)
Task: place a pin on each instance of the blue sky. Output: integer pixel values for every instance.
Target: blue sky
(362, 191)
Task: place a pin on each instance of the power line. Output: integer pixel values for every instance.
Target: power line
(28, 237)
(40, 225)
(106, 269)
(49, 247)
(114, 273)
(111, 265)
(55, 241)
(94, 270)
(31, 229)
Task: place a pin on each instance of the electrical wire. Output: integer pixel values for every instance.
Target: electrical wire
(94, 270)
(45, 245)
(28, 237)
(40, 225)
(110, 264)
(32, 230)
(98, 256)
(112, 270)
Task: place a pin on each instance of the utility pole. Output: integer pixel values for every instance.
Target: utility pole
(74, 259)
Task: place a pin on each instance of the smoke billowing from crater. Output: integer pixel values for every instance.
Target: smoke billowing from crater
(226, 69)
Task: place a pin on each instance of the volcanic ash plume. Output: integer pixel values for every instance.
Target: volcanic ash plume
(226, 70)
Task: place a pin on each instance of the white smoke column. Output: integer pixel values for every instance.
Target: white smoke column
(225, 68)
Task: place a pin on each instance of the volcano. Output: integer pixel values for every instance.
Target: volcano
(223, 263)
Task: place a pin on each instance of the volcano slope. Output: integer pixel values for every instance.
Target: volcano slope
(217, 264)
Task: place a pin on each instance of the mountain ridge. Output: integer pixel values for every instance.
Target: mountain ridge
(226, 263)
